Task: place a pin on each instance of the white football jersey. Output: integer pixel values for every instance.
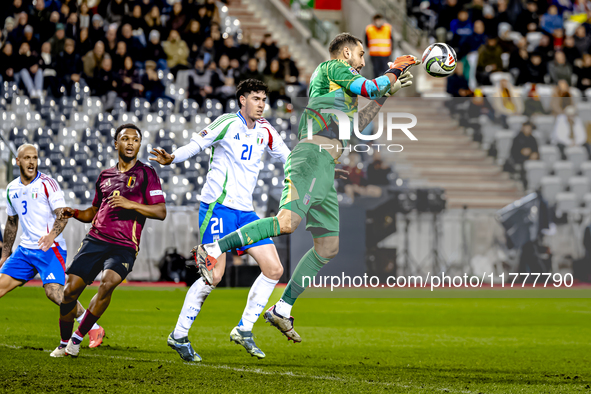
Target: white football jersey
(236, 153)
(34, 204)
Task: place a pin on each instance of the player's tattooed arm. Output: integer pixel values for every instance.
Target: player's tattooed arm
(367, 114)
(10, 231)
(46, 241)
(85, 216)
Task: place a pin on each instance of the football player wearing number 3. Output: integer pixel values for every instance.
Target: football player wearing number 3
(126, 195)
(237, 141)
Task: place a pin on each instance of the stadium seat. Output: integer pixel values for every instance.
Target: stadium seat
(9, 91)
(46, 107)
(232, 106)
(549, 154)
(551, 186)
(79, 93)
(67, 106)
(67, 136)
(92, 106)
(118, 109)
(176, 123)
(587, 200)
(576, 155)
(565, 202)
(191, 198)
(545, 125)
(563, 170)
(163, 107)
(79, 121)
(19, 133)
(8, 120)
(188, 109)
(503, 139)
(586, 170)
(213, 108)
(579, 185)
(152, 122)
(140, 107)
(127, 117)
(32, 120)
(21, 105)
(515, 122)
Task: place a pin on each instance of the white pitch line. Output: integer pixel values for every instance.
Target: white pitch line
(261, 371)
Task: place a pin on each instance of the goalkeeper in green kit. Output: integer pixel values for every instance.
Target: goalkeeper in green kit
(309, 190)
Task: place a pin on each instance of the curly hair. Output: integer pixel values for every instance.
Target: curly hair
(248, 86)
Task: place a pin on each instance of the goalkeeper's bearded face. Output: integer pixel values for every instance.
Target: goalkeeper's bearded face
(355, 56)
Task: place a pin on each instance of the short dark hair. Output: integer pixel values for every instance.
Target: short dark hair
(127, 126)
(342, 40)
(378, 16)
(248, 86)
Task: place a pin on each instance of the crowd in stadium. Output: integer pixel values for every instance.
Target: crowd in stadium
(117, 47)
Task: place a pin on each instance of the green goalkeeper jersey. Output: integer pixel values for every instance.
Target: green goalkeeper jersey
(336, 85)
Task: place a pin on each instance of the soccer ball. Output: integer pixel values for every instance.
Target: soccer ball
(439, 60)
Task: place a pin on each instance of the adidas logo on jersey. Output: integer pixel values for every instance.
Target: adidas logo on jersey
(15, 195)
(50, 276)
(237, 137)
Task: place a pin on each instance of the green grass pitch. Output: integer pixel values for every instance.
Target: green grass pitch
(403, 345)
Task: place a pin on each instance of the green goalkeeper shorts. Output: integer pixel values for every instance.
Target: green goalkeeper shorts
(309, 189)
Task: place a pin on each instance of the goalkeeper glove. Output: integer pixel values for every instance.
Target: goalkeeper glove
(401, 64)
(404, 81)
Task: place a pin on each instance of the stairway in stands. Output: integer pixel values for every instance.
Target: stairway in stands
(253, 21)
(445, 157)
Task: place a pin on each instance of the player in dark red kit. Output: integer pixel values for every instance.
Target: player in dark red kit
(125, 196)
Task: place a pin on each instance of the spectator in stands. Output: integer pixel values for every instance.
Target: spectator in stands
(524, 147)
(245, 48)
(47, 65)
(207, 51)
(288, 66)
(507, 101)
(96, 31)
(226, 91)
(569, 131)
(447, 14)
(193, 36)
(457, 84)
(154, 20)
(84, 16)
(461, 28)
(270, 48)
(178, 19)
(489, 60)
(536, 68)
(582, 39)
(379, 42)
(69, 65)
(153, 87)
(155, 52)
(584, 73)
(226, 69)
(216, 36)
(474, 41)
(29, 38)
(533, 105)
(200, 82)
(40, 19)
(116, 10)
(559, 69)
(93, 59)
(84, 43)
(518, 62)
(72, 29)
(570, 50)
(119, 56)
(177, 52)
(527, 16)
(17, 34)
(274, 81)
(551, 20)
(252, 71)
(7, 62)
(58, 40)
(30, 73)
(9, 24)
(138, 23)
(490, 21)
(545, 48)
(53, 5)
(561, 98)
(129, 82)
(261, 57)
(16, 7)
(229, 48)
(378, 171)
(105, 83)
(134, 46)
(357, 184)
(110, 40)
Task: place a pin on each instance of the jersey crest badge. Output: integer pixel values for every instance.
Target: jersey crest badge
(131, 182)
(34, 195)
(353, 71)
(203, 133)
(260, 140)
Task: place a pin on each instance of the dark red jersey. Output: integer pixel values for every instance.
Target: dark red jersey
(121, 226)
